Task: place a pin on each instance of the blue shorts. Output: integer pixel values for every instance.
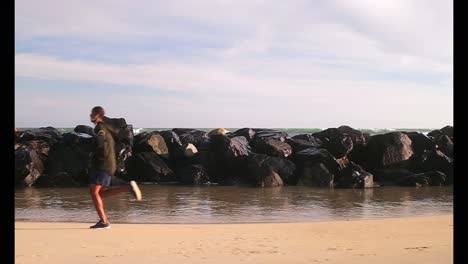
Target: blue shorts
(100, 177)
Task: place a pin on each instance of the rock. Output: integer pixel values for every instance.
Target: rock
(356, 136)
(84, 129)
(308, 137)
(268, 178)
(36, 169)
(272, 147)
(81, 142)
(151, 142)
(213, 164)
(230, 156)
(436, 134)
(269, 133)
(248, 133)
(264, 170)
(339, 144)
(358, 154)
(420, 142)
(392, 149)
(48, 134)
(448, 131)
(148, 167)
(315, 156)
(190, 150)
(193, 174)
(354, 176)
(28, 166)
(219, 131)
(67, 166)
(435, 161)
(41, 147)
(176, 149)
(433, 178)
(59, 179)
(391, 175)
(300, 144)
(230, 148)
(198, 138)
(315, 174)
(445, 145)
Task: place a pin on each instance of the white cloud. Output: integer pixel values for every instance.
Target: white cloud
(305, 57)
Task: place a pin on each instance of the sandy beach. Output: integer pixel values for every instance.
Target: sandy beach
(397, 240)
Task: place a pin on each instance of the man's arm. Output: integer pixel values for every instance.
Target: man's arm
(101, 139)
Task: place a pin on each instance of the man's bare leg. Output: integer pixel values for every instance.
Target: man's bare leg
(113, 191)
(95, 190)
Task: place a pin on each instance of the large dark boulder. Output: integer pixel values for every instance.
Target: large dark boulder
(315, 174)
(353, 176)
(84, 129)
(447, 130)
(391, 176)
(315, 156)
(358, 154)
(28, 166)
(151, 142)
(41, 147)
(231, 148)
(176, 148)
(272, 147)
(420, 142)
(230, 158)
(266, 171)
(196, 137)
(148, 167)
(213, 163)
(356, 136)
(194, 174)
(316, 142)
(339, 144)
(67, 166)
(49, 134)
(248, 133)
(445, 145)
(435, 160)
(436, 134)
(300, 144)
(261, 133)
(432, 178)
(81, 141)
(392, 149)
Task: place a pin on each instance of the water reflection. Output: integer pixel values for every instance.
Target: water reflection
(221, 204)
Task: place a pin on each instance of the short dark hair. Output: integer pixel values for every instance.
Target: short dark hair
(98, 110)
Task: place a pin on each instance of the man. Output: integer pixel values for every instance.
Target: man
(103, 167)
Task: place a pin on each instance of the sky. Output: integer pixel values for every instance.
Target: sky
(243, 63)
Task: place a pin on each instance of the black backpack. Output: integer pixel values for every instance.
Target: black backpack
(121, 131)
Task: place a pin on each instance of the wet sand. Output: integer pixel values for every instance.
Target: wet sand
(394, 240)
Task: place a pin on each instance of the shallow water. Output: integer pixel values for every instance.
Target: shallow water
(232, 204)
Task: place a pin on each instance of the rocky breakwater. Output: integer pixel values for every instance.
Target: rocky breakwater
(340, 157)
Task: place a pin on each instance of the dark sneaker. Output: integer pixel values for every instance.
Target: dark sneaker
(135, 190)
(101, 225)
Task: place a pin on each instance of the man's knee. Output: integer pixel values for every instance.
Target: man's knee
(95, 190)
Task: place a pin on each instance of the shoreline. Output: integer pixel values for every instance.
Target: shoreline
(235, 223)
(421, 239)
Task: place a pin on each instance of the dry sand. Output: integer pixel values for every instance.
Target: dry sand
(396, 241)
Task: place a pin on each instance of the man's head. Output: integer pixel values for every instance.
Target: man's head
(97, 113)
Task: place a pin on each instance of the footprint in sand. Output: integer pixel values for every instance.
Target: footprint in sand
(417, 248)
